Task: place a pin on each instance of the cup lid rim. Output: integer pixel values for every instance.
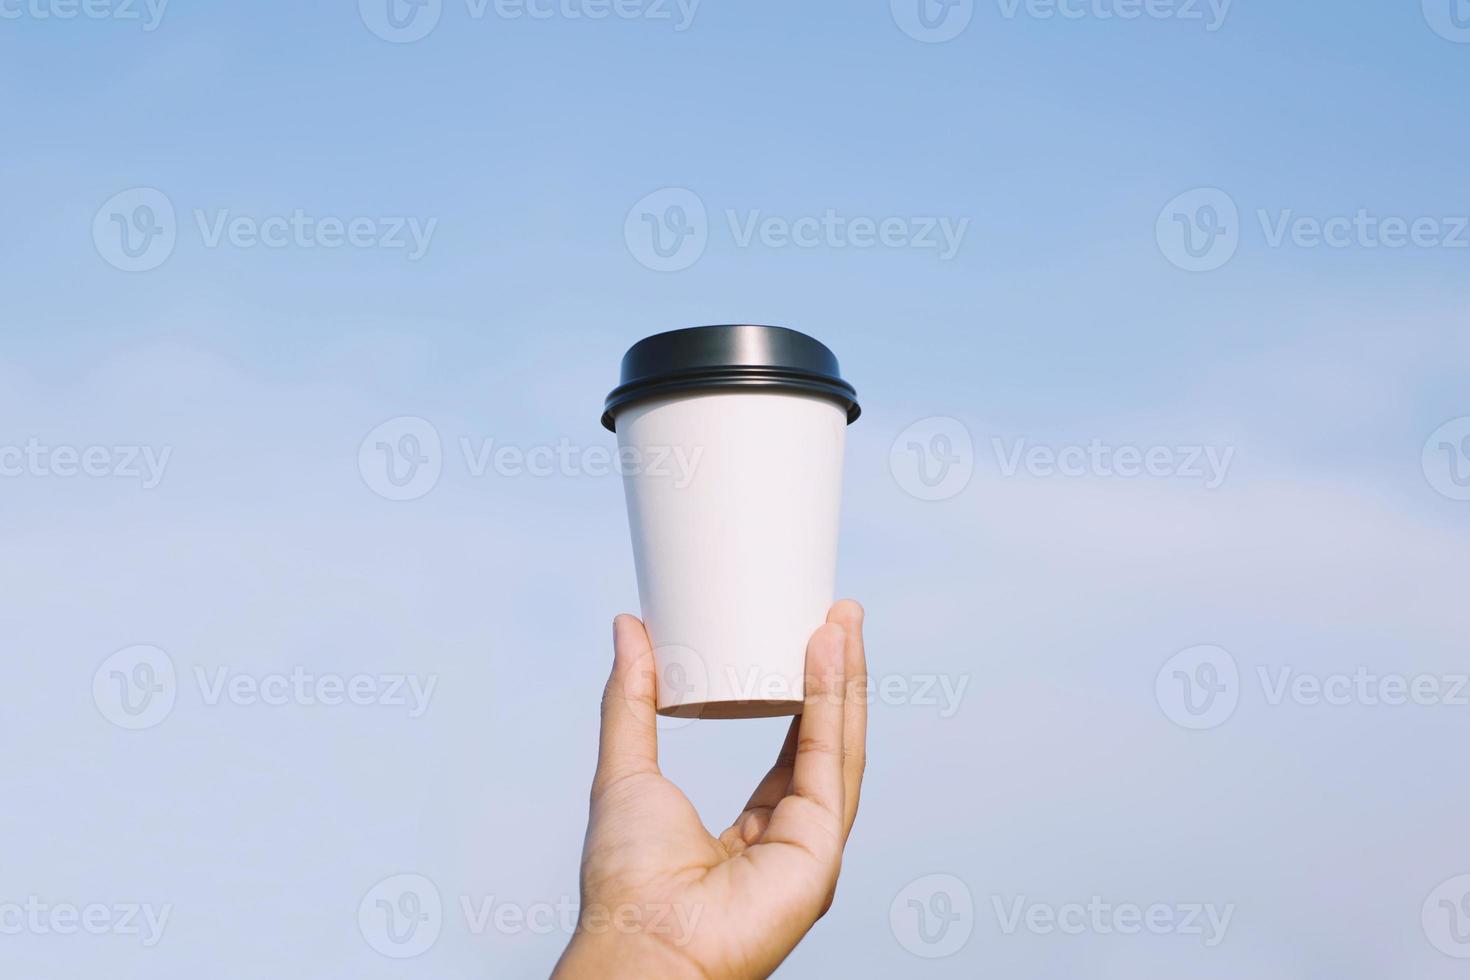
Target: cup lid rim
(729, 357)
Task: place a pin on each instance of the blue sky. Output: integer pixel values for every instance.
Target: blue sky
(522, 149)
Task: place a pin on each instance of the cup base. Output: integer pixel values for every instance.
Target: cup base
(721, 710)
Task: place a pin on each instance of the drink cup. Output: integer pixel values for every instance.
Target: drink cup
(730, 441)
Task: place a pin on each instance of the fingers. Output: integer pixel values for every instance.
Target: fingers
(629, 742)
(849, 615)
(810, 818)
(817, 771)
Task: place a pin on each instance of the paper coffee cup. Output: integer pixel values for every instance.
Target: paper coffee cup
(730, 440)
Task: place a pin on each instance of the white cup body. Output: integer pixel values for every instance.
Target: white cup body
(733, 502)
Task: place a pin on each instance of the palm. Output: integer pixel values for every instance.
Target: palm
(734, 904)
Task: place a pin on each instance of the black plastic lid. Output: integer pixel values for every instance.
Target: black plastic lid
(729, 356)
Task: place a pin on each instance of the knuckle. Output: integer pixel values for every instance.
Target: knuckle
(818, 744)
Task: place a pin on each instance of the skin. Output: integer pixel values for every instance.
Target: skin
(662, 896)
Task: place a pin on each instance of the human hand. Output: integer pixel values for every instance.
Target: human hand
(661, 896)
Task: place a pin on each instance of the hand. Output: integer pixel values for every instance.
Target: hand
(661, 897)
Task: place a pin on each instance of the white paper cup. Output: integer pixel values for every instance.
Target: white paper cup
(734, 494)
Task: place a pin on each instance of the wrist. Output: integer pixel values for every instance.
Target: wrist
(615, 956)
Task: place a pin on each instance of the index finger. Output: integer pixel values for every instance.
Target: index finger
(849, 615)
(817, 774)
